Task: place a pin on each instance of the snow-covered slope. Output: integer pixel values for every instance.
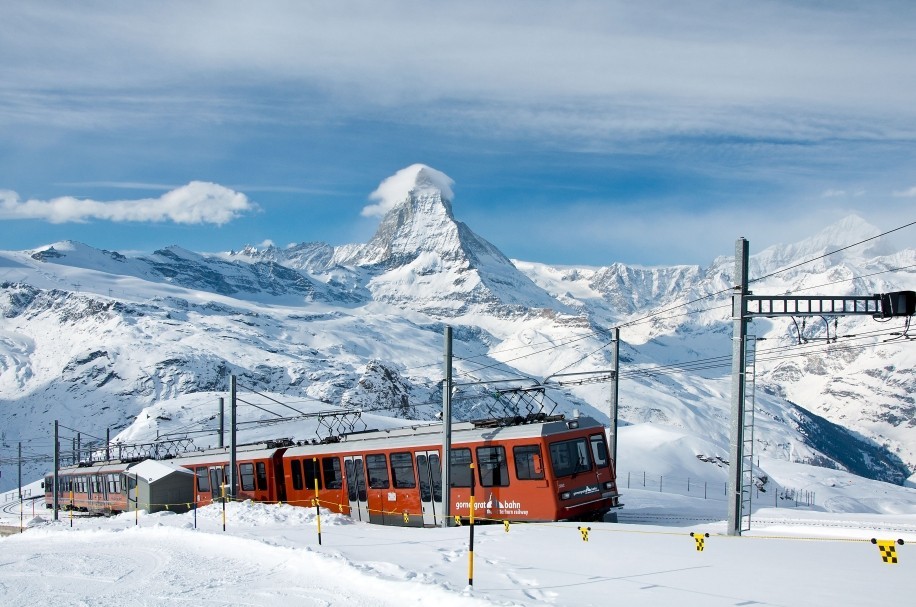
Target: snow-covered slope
(144, 344)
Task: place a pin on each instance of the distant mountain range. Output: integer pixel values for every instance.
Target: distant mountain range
(145, 343)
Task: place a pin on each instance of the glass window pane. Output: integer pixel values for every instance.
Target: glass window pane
(351, 480)
(311, 472)
(494, 471)
(377, 469)
(528, 463)
(332, 476)
(296, 469)
(423, 469)
(262, 476)
(402, 471)
(599, 449)
(461, 468)
(246, 473)
(203, 480)
(436, 471)
(570, 457)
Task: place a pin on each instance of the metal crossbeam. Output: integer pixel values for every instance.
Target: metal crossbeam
(813, 305)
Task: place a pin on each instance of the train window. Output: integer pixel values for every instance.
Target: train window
(377, 469)
(203, 479)
(262, 476)
(460, 470)
(494, 471)
(528, 462)
(599, 449)
(351, 480)
(296, 469)
(570, 457)
(246, 474)
(333, 479)
(312, 472)
(402, 471)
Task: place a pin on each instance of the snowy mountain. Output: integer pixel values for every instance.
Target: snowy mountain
(144, 344)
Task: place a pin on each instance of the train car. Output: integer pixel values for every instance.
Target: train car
(549, 470)
(259, 472)
(546, 471)
(96, 488)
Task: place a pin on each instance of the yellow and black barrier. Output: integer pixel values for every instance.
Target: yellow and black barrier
(700, 539)
(888, 549)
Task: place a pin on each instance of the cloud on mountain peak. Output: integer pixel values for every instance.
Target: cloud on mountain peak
(417, 178)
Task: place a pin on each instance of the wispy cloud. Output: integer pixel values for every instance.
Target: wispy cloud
(784, 69)
(195, 203)
(910, 193)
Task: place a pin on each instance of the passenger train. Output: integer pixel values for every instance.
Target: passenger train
(548, 470)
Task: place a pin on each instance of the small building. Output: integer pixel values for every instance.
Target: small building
(156, 486)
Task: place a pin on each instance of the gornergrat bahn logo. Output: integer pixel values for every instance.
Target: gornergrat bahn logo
(586, 490)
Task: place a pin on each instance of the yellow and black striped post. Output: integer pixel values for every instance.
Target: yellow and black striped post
(317, 507)
(471, 544)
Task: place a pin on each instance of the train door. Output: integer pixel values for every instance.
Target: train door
(132, 489)
(429, 474)
(276, 465)
(216, 482)
(356, 488)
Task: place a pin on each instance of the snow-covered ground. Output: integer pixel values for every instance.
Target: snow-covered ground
(269, 555)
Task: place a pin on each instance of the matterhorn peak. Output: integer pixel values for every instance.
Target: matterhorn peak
(415, 181)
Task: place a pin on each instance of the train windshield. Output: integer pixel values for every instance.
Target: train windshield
(570, 457)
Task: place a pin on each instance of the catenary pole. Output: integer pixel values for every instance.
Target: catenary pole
(447, 428)
(739, 338)
(232, 437)
(56, 482)
(222, 415)
(614, 396)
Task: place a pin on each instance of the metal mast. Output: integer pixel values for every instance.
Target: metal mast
(446, 459)
(739, 337)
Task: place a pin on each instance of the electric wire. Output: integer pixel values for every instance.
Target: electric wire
(855, 244)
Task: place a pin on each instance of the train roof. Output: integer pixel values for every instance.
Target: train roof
(105, 467)
(431, 434)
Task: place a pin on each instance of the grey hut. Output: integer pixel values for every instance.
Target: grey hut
(155, 486)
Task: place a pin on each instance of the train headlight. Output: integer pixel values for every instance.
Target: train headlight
(609, 485)
(565, 495)
(573, 424)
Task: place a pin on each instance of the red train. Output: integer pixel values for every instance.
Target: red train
(554, 469)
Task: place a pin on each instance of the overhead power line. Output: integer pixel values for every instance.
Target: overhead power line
(855, 244)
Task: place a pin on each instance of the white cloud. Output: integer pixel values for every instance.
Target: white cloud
(910, 193)
(195, 203)
(417, 178)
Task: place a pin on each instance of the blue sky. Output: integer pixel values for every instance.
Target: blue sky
(578, 133)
